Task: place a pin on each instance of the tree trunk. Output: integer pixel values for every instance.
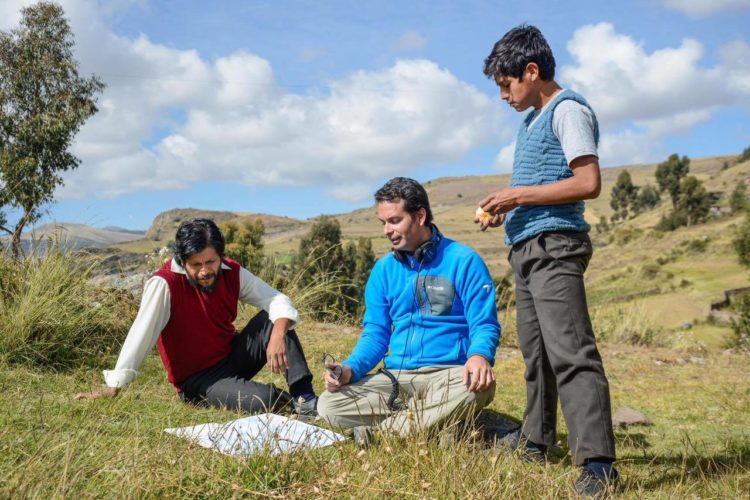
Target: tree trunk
(16, 236)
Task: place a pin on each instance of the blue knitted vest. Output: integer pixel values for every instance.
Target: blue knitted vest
(539, 160)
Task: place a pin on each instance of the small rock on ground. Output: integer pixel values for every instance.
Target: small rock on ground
(625, 416)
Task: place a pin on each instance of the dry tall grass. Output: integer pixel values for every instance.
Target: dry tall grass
(51, 316)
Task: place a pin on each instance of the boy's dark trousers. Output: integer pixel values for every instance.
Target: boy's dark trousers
(558, 345)
(228, 383)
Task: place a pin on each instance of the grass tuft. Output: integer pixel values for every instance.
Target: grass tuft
(625, 323)
(51, 316)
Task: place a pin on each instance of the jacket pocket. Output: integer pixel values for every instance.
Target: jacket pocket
(436, 295)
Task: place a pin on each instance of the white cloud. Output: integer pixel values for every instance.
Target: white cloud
(170, 118)
(623, 82)
(179, 147)
(372, 124)
(735, 58)
(627, 147)
(504, 159)
(702, 8)
(674, 124)
(648, 96)
(411, 40)
(356, 191)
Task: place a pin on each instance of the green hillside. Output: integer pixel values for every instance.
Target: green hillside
(667, 279)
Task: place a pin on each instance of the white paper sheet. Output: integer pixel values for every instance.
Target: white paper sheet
(250, 435)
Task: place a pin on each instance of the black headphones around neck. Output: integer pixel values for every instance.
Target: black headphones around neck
(425, 252)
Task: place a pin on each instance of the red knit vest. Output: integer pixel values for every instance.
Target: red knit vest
(200, 329)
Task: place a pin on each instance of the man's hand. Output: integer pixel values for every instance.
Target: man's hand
(478, 375)
(492, 221)
(500, 202)
(333, 384)
(276, 352)
(107, 392)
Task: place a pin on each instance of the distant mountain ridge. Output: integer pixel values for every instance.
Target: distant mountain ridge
(75, 236)
(165, 224)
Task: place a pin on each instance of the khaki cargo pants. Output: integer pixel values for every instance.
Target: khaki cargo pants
(435, 397)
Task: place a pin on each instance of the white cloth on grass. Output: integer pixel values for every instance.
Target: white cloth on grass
(251, 435)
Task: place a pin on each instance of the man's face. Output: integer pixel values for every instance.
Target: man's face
(518, 93)
(203, 268)
(404, 230)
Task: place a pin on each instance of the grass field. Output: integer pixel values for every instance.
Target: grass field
(53, 446)
(649, 295)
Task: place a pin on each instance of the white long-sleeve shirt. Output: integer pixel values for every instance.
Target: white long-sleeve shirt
(154, 312)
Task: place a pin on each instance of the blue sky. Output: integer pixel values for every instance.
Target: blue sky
(303, 108)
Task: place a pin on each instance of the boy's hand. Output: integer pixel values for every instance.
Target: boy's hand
(500, 202)
(490, 221)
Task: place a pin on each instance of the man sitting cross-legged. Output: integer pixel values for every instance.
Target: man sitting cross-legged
(430, 315)
(188, 308)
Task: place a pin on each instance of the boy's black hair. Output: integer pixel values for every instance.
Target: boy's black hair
(409, 190)
(195, 235)
(520, 46)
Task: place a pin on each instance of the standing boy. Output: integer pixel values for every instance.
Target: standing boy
(555, 168)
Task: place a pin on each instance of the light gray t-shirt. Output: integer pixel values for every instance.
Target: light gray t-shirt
(573, 124)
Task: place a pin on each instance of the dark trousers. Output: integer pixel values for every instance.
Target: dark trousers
(558, 345)
(228, 383)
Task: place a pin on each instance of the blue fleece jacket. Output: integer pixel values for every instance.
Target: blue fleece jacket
(439, 312)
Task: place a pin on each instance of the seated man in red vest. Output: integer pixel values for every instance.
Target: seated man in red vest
(188, 309)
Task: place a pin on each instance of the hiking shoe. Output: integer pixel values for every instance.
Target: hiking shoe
(528, 450)
(307, 408)
(363, 436)
(597, 483)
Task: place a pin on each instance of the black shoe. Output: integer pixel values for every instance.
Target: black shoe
(307, 408)
(599, 484)
(528, 450)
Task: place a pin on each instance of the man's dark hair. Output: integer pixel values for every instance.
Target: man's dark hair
(520, 46)
(409, 190)
(195, 235)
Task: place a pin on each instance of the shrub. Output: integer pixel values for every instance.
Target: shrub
(627, 234)
(623, 196)
(602, 226)
(744, 156)
(51, 316)
(741, 325)
(677, 218)
(742, 242)
(625, 323)
(650, 271)
(244, 243)
(669, 175)
(698, 245)
(504, 293)
(648, 198)
(738, 198)
(665, 259)
(694, 200)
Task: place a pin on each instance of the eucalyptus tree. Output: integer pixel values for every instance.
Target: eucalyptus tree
(44, 101)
